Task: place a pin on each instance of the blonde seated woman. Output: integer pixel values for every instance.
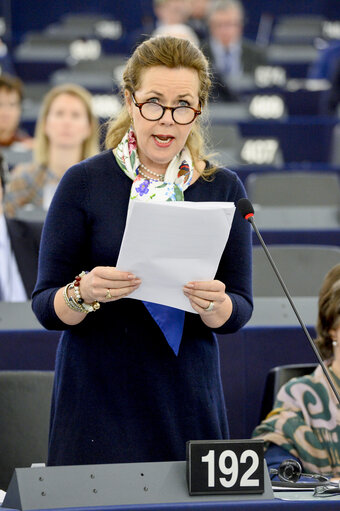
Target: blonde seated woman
(305, 422)
(66, 133)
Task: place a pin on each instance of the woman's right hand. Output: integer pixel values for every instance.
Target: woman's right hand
(103, 281)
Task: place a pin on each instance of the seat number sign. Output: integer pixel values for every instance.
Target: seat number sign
(223, 467)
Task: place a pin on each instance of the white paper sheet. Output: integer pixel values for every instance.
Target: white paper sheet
(167, 244)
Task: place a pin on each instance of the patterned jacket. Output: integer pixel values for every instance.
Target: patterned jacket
(305, 422)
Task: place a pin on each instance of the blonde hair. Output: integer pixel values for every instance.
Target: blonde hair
(329, 311)
(171, 52)
(90, 145)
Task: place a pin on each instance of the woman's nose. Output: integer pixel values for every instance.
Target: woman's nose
(167, 117)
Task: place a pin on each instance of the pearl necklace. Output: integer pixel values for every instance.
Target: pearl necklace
(160, 177)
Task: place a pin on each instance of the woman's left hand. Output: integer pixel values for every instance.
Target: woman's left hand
(210, 300)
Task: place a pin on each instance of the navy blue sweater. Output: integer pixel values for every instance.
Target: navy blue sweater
(120, 393)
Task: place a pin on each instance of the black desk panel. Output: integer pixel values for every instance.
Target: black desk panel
(28, 349)
(246, 358)
(297, 237)
(302, 139)
(297, 102)
(243, 171)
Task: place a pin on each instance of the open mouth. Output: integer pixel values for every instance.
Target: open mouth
(163, 140)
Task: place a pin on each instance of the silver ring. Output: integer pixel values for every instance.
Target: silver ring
(108, 294)
(210, 307)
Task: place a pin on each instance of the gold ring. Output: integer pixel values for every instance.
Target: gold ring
(210, 307)
(108, 294)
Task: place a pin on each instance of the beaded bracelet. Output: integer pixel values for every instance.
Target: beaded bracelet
(76, 284)
(70, 302)
(78, 303)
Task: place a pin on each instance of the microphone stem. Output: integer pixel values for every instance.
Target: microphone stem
(284, 287)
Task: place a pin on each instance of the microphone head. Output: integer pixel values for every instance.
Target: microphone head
(245, 207)
(290, 471)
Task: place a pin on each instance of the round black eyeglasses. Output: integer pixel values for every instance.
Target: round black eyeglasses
(154, 111)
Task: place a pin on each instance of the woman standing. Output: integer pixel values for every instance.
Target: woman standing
(66, 133)
(121, 394)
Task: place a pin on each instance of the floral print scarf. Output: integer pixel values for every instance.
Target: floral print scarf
(177, 179)
(178, 175)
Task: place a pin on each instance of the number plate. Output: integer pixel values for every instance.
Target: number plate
(223, 467)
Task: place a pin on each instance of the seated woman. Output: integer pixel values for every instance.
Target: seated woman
(66, 133)
(305, 421)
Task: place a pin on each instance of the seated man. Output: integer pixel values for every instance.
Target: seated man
(19, 249)
(305, 422)
(16, 144)
(231, 56)
(197, 19)
(166, 12)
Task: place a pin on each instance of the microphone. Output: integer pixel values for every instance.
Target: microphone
(290, 471)
(246, 209)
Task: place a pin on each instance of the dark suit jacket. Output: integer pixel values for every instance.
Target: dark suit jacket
(25, 241)
(252, 56)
